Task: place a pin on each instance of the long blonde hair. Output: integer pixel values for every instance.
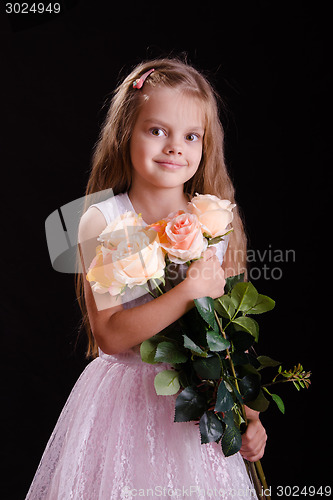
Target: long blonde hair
(111, 166)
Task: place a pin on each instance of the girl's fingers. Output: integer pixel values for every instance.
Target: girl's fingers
(254, 441)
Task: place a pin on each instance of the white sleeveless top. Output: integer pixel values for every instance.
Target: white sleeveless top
(119, 204)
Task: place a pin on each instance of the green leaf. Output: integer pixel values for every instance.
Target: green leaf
(236, 392)
(241, 340)
(147, 351)
(194, 327)
(266, 361)
(167, 383)
(231, 282)
(214, 241)
(168, 352)
(224, 306)
(211, 428)
(249, 382)
(184, 379)
(205, 306)
(208, 368)
(216, 342)
(224, 400)
(231, 441)
(228, 418)
(190, 405)
(249, 387)
(189, 344)
(296, 385)
(244, 296)
(279, 402)
(240, 358)
(260, 403)
(262, 305)
(248, 325)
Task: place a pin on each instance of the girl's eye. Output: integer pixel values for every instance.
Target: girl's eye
(192, 137)
(157, 132)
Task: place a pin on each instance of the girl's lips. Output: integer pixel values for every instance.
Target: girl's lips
(170, 165)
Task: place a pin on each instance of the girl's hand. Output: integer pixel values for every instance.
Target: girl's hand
(206, 276)
(254, 439)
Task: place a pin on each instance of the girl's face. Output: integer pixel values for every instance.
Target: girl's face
(167, 139)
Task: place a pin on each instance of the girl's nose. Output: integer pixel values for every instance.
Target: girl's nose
(173, 148)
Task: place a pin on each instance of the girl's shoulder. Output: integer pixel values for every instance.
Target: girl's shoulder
(100, 214)
(113, 206)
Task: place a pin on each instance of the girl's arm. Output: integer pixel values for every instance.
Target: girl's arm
(117, 329)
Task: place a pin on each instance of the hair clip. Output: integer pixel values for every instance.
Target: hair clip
(140, 81)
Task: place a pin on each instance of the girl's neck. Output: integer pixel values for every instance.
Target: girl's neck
(155, 204)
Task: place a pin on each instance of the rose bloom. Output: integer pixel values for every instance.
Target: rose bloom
(101, 270)
(160, 226)
(184, 238)
(116, 231)
(137, 258)
(213, 213)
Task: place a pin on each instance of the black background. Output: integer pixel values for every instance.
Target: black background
(270, 62)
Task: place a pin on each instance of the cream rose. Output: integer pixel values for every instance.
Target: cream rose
(184, 238)
(136, 260)
(115, 232)
(129, 255)
(214, 214)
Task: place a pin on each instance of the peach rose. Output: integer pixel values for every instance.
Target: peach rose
(136, 259)
(160, 226)
(101, 271)
(184, 238)
(214, 214)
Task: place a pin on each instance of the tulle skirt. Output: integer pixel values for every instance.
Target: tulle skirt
(116, 439)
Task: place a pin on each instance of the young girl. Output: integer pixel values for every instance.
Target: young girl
(162, 142)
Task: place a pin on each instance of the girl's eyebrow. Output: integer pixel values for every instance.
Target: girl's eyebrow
(195, 128)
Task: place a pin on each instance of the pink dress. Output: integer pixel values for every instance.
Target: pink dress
(116, 439)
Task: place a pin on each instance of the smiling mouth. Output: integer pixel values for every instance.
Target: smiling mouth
(170, 165)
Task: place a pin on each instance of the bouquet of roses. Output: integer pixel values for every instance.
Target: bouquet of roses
(213, 365)
(131, 254)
